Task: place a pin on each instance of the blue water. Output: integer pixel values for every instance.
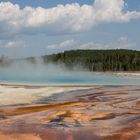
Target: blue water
(69, 78)
(25, 72)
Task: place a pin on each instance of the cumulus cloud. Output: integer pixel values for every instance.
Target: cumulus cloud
(92, 45)
(62, 19)
(122, 42)
(11, 44)
(65, 44)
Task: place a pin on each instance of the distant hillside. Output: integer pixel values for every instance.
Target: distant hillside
(98, 60)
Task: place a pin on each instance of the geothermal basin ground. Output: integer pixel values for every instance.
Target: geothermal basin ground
(89, 112)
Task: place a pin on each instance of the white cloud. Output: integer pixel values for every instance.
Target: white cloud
(92, 45)
(123, 39)
(122, 42)
(11, 44)
(63, 45)
(62, 19)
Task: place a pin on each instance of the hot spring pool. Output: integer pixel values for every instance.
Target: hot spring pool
(70, 78)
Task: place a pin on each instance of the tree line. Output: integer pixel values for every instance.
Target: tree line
(98, 60)
(91, 60)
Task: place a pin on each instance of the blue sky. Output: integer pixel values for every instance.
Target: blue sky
(26, 30)
(46, 3)
(132, 4)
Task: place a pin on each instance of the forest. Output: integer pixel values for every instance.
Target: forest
(90, 60)
(98, 60)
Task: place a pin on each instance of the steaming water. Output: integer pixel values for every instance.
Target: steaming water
(40, 74)
(79, 78)
(72, 78)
